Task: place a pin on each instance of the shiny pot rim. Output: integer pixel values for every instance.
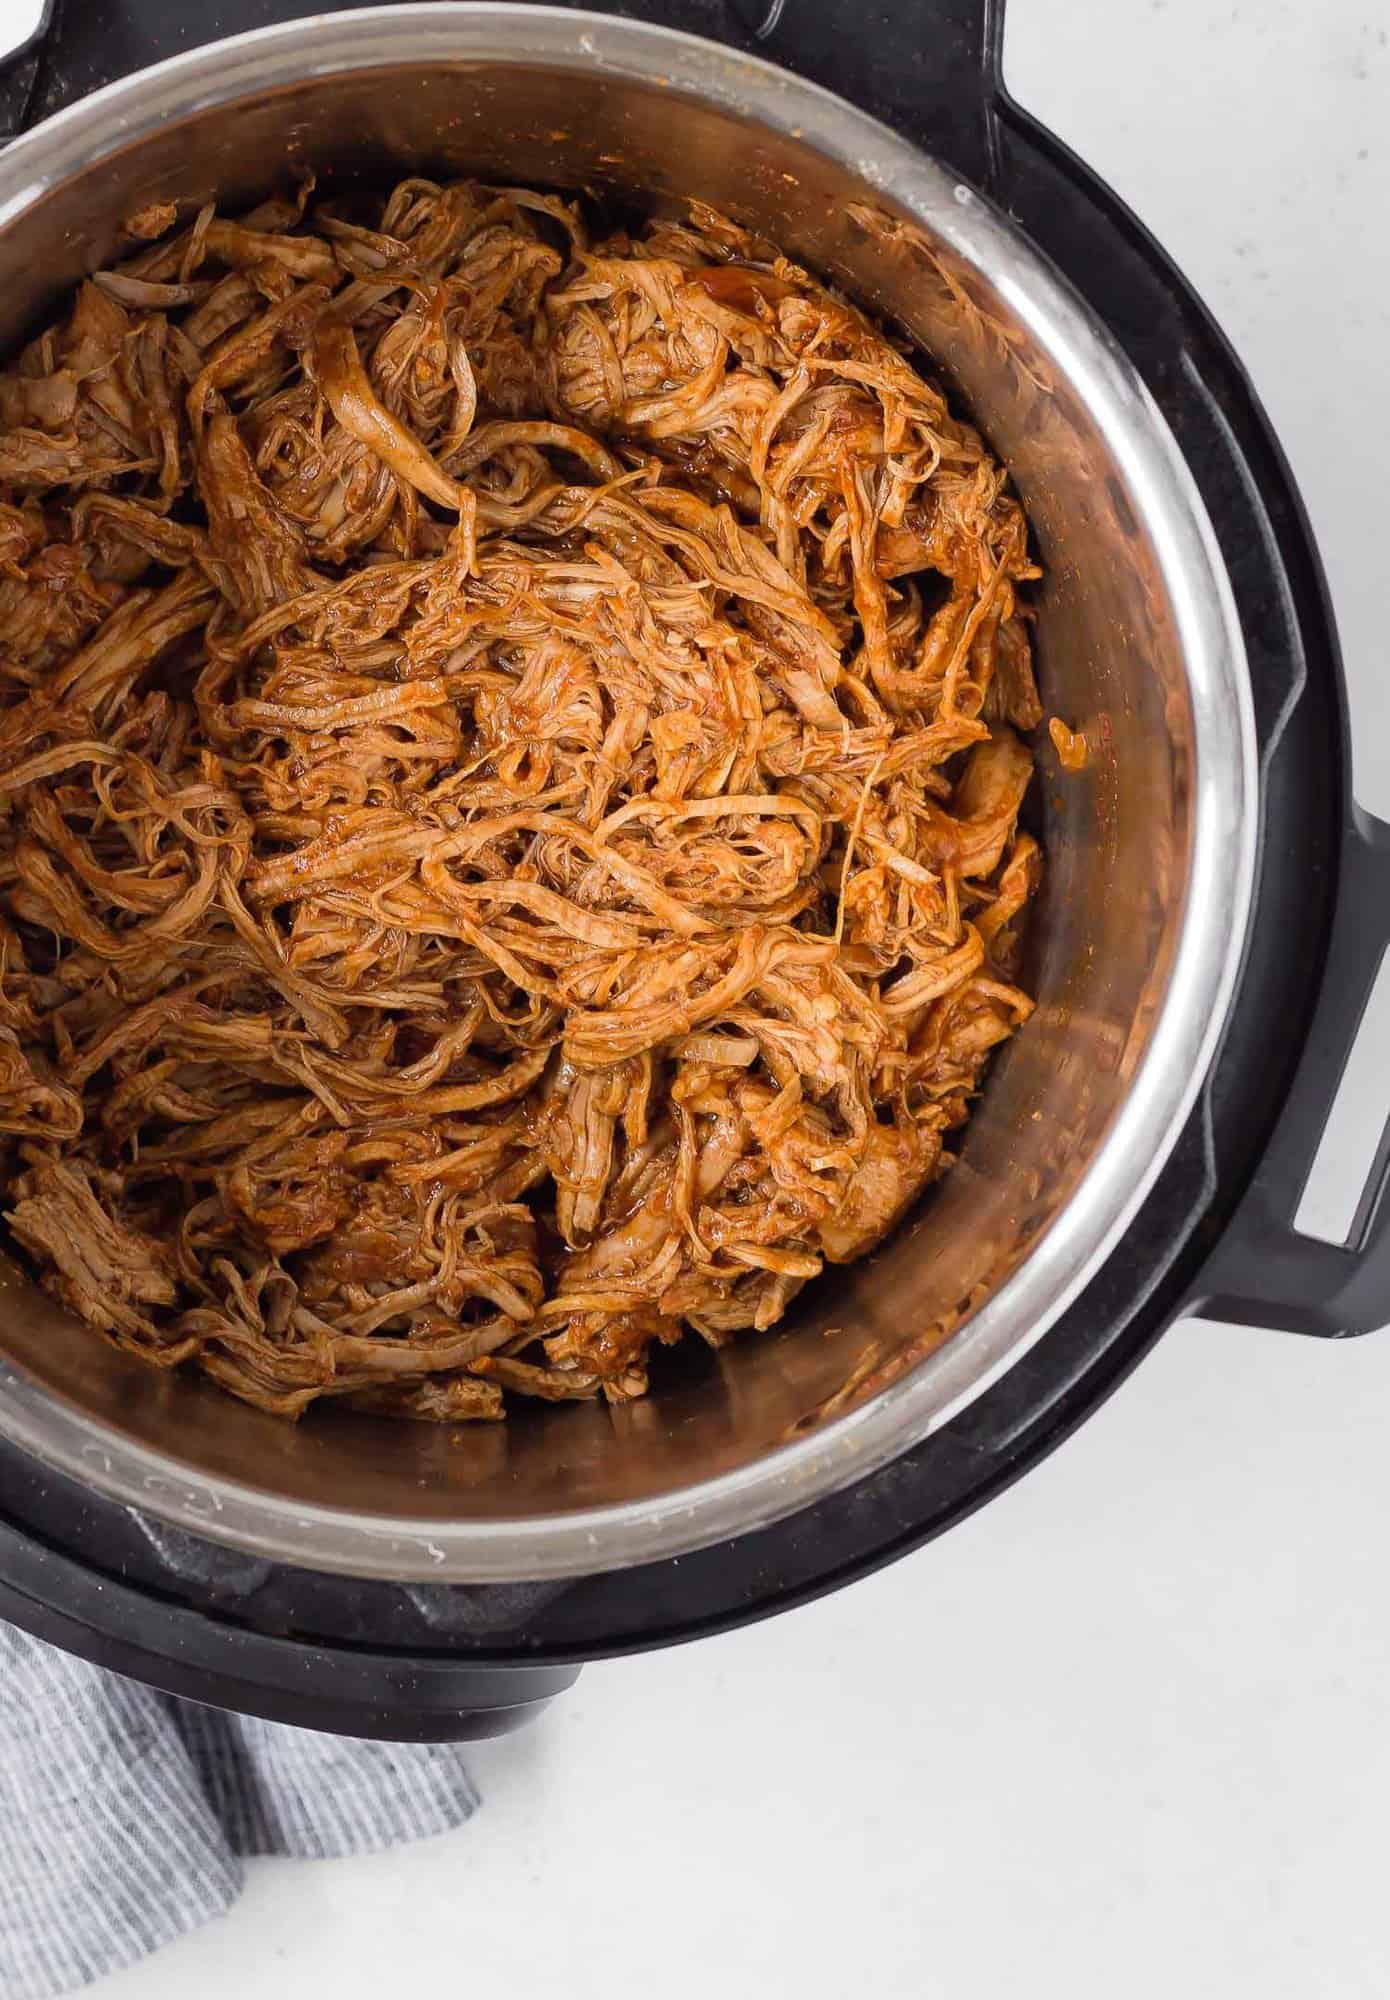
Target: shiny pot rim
(1223, 803)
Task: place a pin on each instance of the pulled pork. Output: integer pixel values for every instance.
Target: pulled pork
(510, 766)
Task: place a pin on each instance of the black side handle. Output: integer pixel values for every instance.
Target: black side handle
(930, 68)
(1264, 1271)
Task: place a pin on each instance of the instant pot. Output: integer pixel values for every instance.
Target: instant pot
(1214, 915)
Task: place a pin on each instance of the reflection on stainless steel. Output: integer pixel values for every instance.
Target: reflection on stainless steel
(1149, 848)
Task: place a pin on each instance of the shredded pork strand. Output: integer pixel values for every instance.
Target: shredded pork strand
(511, 749)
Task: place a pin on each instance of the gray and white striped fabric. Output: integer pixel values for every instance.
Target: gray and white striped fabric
(125, 1815)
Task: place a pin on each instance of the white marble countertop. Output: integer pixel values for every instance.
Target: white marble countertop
(1127, 1731)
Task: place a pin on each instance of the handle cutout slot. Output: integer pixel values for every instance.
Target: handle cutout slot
(1344, 1183)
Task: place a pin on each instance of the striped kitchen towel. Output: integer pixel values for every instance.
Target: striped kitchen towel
(125, 1815)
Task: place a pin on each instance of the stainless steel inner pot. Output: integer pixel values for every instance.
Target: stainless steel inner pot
(1149, 849)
